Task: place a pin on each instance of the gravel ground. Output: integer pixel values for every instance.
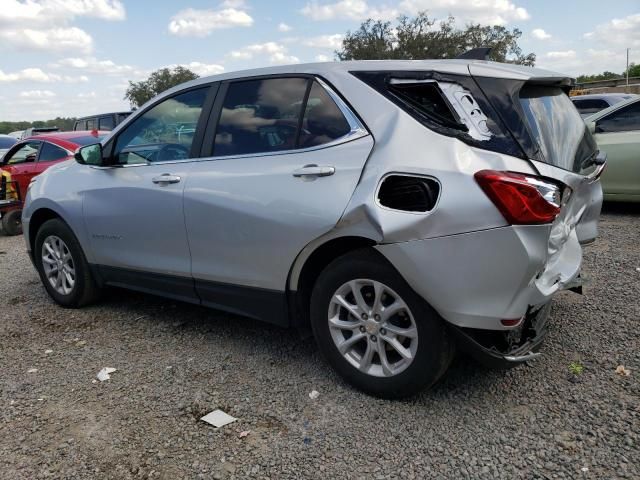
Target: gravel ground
(177, 362)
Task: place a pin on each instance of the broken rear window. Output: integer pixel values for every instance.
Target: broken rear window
(427, 99)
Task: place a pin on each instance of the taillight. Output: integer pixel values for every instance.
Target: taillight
(522, 199)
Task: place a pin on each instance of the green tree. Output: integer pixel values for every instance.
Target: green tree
(159, 81)
(597, 77)
(634, 70)
(421, 38)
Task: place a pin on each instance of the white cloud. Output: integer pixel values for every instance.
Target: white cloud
(200, 23)
(202, 69)
(561, 54)
(44, 24)
(322, 58)
(325, 41)
(275, 52)
(234, 4)
(621, 32)
(283, 27)
(494, 12)
(37, 94)
(56, 11)
(540, 34)
(37, 75)
(53, 39)
(93, 65)
(350, 9)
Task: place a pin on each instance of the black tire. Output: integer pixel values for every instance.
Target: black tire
(12, 222)
(85, 289)
(435, 349)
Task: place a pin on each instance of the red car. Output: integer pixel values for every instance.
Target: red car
(31, 157)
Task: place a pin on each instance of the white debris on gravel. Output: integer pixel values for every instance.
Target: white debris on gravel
(314, 394)
(47, 352)
(32, 370)
(621, 370)
(218, 418)
(104, 373)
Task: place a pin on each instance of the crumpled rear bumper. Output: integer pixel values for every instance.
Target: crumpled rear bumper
(477, 279)
(508, 348)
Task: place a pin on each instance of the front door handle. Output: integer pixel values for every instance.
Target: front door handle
(314, 171)
(165, 179)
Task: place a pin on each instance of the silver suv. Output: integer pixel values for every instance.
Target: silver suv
(400, 209)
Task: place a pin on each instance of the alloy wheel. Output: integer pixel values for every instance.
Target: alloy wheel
(58, 265)
(373, 328)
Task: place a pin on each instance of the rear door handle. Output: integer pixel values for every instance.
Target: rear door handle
(165, 179)
(314, 171)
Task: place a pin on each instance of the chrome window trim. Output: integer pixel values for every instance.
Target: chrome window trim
(357, 131)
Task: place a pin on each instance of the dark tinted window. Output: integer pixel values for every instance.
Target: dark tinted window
(50, 152)
(106, 123)
(323, 121)
(589, 106)
(260, 116)
(165, 132)
(7, 142)
(624, 120)
(87, 140)
(122, 116)
(26, 153)
(559, 132)
(91, 124)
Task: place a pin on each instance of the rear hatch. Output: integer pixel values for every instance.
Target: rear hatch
(545, 124)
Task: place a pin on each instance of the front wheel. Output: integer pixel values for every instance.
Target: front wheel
(62, 266)
(375, 330)
(12, 222)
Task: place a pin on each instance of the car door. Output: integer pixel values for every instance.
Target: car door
(20, 163)
(618, 134)
(133, 209)
(278, 174)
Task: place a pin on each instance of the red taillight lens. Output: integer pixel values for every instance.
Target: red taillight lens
(522, 199)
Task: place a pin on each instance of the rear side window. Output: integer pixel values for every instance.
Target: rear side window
(323, 121)
(50, 152)
(91, 124)
(260, 116)
(624, 120)
(106, 123)
(25, 154)
(590, 105)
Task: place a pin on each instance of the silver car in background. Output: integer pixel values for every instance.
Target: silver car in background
(399, 209)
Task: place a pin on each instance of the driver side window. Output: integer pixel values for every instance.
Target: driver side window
(25, 154)
(163, 133)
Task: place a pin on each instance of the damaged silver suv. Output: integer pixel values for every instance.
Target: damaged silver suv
(400, 209)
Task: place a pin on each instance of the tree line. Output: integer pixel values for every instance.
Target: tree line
(410, 38)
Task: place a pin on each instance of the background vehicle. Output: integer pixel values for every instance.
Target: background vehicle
(28, 158)
(6, 142)
(33, 131)
(592, 103)
(103, 122)
(456, 229)
(617, 132)
(17, 134)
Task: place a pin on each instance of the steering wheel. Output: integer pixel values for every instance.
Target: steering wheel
(172, 151)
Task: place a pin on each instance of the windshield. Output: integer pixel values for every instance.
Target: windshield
(556, 126)
(87, 140)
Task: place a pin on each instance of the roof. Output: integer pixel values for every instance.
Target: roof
(480, 68)
(68, 136)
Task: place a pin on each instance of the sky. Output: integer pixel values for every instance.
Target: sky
(75, 57)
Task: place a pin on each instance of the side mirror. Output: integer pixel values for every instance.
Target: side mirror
(89, 155)
(592, 127)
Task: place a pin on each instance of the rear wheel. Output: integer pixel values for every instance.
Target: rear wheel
(375, 330)
(62, 266)
(12, 222)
